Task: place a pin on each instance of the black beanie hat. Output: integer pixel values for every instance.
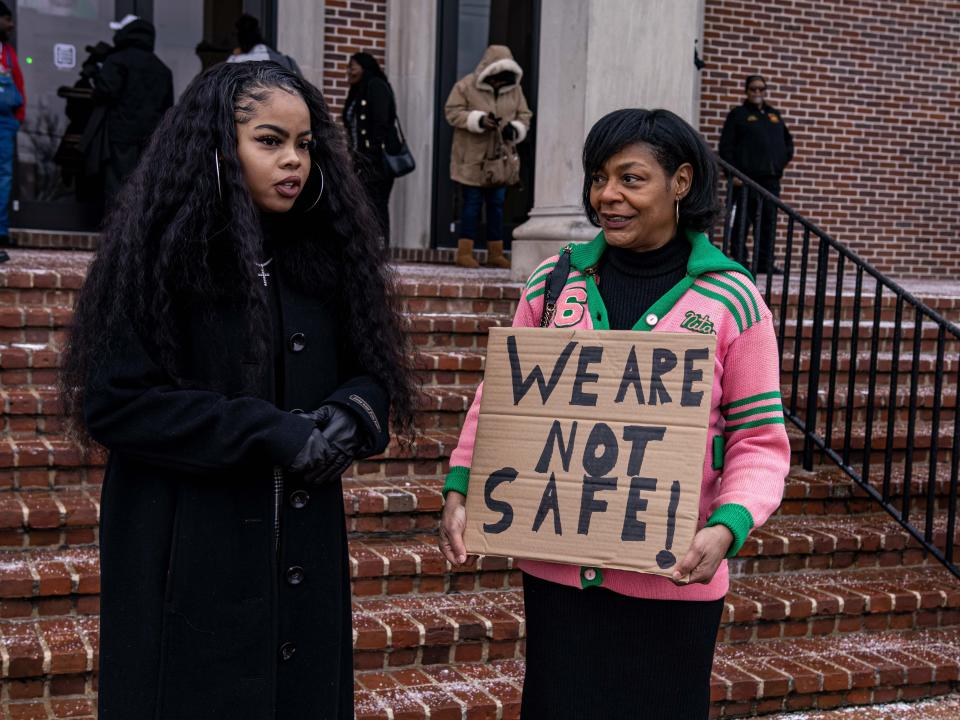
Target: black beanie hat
(4, 10)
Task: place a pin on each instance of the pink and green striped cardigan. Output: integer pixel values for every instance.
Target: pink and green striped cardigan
(748, 454)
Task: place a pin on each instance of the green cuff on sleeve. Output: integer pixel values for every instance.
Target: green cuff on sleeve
(737, 519)
(458, 479)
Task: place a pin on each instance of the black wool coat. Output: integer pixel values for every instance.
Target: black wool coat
(206, 613)
(370, 120)
(756, 141)
(134, 86)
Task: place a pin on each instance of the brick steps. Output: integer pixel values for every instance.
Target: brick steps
(829, 576)
(946, 707)
(882, 575)
(926, 395)
(458, 330)
(799, 543)
(45, 582)
(60, 451)
(922, 438)
(827, 490)
(927, 364)
(761, 678)
(754, 678)
(441, 366)
(852, 669)
(823, 603)
(376, 505)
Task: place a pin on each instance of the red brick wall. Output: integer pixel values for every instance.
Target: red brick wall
(350, 26)
(871, 94)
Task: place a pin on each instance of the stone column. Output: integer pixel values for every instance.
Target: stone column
(411, 61)
(597, 56)
(300, 35)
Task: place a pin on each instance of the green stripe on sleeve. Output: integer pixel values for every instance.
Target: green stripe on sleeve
(458, 480)
(720, 298)
(544, 272)
(736, 293)
(755, 411)
(752, 399)
(571, 278)
(747, 290)
(737, 519)
(754, 423)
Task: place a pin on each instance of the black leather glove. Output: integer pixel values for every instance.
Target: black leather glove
(330, 448)
(508, 132)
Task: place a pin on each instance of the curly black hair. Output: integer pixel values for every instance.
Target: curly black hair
(673, 142)
(185, 232)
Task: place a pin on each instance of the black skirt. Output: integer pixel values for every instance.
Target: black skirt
(596, 654)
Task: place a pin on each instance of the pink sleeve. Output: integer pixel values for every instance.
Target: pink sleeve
(756, 456)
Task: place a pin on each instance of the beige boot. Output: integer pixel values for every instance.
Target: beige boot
(465, 254)
(495, 256)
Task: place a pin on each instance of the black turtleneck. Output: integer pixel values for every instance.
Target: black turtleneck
(632, 281)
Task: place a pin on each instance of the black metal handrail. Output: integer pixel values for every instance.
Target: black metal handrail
(843, 426)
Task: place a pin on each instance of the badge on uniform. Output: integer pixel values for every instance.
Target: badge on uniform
(773, 118)
(752, 118)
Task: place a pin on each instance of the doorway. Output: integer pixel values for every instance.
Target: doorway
(51, 190)
(466, 28)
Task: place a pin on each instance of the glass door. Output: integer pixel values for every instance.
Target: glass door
(52, 189)
(466, 28)
(51, 41)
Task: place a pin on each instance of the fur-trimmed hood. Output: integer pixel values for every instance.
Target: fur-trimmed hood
(497, 59)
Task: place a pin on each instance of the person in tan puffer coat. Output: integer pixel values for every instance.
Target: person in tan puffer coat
(490, 116)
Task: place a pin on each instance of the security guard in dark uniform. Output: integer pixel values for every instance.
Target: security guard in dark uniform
(756, 141)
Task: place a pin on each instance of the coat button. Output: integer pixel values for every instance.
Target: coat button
(363, 132)
(362, 116)
(590, 574)
(299, 499)
(287, 650)
(651, 319)
(294, 575)
(297, 342)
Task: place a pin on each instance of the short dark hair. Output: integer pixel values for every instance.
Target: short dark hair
(5, 10)
(751, 78)
(673, 143)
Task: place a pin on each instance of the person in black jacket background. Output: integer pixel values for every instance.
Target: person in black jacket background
(234, 348)
(132, 89)
(756, 141)
(369, 115)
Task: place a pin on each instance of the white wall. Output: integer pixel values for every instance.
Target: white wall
(300, 35)
(411, 52)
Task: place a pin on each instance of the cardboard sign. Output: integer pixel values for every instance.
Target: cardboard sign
(590, 446)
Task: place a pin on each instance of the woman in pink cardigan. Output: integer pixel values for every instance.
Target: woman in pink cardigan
(605, 643)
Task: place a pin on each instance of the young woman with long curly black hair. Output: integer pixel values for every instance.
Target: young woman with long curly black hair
(235, 349)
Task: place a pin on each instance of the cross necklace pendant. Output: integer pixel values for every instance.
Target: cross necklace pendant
(263, 274)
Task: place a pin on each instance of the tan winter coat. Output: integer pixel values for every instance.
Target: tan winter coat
(470, 100)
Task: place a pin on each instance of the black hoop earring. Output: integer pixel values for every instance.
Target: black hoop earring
(320, 170)
(216, 163)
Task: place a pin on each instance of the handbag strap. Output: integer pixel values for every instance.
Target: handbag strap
(396, 120)
(554, 286)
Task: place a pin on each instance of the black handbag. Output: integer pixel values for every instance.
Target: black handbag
(401, 162)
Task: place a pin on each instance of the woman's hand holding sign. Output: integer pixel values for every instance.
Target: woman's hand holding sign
(452, 526)
(709, 547)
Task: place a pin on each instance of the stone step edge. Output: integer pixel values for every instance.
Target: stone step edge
(409, 619)
(46, 508)
(483, 700)
(57, 451)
